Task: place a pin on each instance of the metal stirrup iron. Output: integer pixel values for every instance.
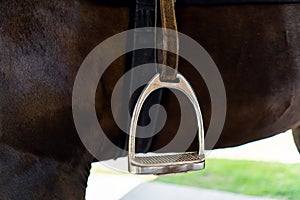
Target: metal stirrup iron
(164, 163)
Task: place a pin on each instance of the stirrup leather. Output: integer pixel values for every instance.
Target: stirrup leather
(163, 163)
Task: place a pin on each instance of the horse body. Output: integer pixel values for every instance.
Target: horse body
(256, 47)
(257, 52)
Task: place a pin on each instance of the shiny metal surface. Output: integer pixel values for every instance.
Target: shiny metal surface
(172, 162)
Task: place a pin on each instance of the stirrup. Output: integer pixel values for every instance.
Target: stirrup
(164, 163)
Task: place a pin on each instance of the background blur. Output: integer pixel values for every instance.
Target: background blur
(265, 169)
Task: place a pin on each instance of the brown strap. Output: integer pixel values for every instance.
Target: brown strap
(170, 41)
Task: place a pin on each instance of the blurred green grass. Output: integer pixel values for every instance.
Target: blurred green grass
(244, 177)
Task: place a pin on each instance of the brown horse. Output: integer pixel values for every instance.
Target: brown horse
(256, 47)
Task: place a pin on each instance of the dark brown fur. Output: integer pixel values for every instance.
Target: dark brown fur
(43, 43)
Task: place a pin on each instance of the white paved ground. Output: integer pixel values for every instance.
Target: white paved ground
(279, 148)
(161, 191)
(111, 187)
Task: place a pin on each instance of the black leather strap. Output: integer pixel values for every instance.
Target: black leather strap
(142, 15)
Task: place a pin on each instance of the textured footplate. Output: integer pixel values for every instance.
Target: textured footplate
(167, 163)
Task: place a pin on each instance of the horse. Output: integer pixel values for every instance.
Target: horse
(255, 46)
